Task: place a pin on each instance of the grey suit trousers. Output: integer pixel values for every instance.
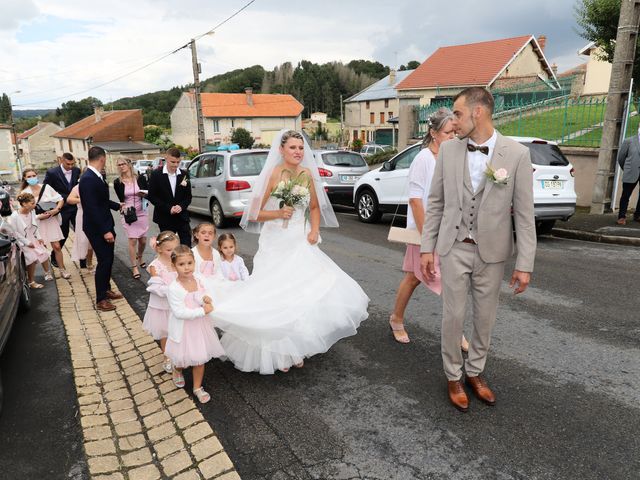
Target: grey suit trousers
(464, 272)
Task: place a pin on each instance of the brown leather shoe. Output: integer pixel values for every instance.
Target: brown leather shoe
(622, 221)
(111, 295)
(481, 390)
(105, 306)
(457, 395)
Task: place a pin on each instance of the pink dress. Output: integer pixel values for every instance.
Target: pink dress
(81, 243)
(199, 342)
(411, 264)
(156, 318)
(49, 228)
(139, 228)
(235, 269)
(25, 226)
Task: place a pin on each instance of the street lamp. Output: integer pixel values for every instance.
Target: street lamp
(15, 135)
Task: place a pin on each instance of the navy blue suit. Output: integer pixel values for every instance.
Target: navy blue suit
(58, 181)
(96, 222)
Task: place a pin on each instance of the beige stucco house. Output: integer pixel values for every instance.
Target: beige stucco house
(367, 113)
(598, 73)
(263, 115)
(496, 64)
(8, 163)
(37, 146)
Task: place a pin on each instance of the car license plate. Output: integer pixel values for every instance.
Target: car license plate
(349, 178)
(552, 184)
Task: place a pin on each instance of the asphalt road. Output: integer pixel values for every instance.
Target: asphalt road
(564, 364)
(40, 433)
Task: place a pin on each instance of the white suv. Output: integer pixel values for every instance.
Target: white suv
(384, 190)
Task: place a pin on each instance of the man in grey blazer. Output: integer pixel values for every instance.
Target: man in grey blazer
(469, 225)
(629, 161)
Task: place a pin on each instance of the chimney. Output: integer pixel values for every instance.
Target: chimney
(392, 77)
(98, 112)
(249, 93)
(542, 41)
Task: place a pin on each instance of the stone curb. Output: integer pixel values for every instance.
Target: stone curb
(595, 237)
(136, 424)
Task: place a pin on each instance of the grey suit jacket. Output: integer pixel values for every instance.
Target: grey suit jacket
(629, 159)
(494, 226)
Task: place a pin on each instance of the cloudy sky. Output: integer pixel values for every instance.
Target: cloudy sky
(58, 50)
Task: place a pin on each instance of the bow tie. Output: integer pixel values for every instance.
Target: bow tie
(474, 148)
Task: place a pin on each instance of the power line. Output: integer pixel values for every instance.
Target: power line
(140, 68)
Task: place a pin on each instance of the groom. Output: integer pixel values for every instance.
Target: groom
(469, 225)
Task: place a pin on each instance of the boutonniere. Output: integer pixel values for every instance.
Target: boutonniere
(499, 176)
(184, 181)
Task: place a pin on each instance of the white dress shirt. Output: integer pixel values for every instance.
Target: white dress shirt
(95, 170)
(67, 174)
(173, 179)
(477, 161)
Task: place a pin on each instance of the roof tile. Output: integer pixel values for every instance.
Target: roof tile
(88, 127)
(225, 105)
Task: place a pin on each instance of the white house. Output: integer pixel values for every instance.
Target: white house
(8, 164)
(263, 115)
(598, 73)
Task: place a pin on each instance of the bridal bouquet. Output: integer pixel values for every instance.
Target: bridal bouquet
(292, 191)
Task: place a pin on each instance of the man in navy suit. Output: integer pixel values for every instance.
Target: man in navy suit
(97, 224)
(62, 179)
(170, 194)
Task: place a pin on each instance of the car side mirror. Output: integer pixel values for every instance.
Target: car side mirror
(387, 166)
(4, 183)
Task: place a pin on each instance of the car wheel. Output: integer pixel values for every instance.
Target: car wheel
(544, 227)
(25, 291)
(367, 207)
(217, 215)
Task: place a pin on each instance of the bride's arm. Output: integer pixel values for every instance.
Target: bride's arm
(265, 215)
(314, 214)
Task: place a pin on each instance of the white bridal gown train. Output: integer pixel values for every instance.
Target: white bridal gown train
(296, 303)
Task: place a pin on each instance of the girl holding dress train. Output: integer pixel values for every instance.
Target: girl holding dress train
(207, 259)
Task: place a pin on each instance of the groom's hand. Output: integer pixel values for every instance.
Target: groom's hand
(426, 266)
(520, 280)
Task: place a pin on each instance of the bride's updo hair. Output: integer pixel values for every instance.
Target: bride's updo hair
(290, 134)
(180, 251)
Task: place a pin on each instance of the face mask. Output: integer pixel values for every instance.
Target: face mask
(32, 181)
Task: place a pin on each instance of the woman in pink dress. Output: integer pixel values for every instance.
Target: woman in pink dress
(131, 190)
(81, 249)
(49, 221)
(24, 225)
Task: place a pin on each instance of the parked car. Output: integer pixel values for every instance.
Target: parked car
(222, 181)
(371, 149)
(339, 171)
(184, 164)
(384, 190)
(140, 166)
(156, 164)
(14, 287)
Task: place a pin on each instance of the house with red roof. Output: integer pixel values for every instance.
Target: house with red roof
(37, 146)
(263, 115)
(496, 64)
(119, 132)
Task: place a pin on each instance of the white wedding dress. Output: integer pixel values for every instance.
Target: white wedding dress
(296, 303)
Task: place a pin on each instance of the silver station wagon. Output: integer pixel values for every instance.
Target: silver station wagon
(222, 181)
(339, 171)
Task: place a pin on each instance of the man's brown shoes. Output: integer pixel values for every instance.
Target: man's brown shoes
(481, 390)
(457, 395)
(105, 306)
(111, 295)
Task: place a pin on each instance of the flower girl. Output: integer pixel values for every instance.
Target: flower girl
(233, 267)
(192, 339)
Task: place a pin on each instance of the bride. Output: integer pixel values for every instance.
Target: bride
(297, 302)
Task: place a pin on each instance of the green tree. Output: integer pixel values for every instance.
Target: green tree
(242, 137)
(413, 64)
(5, 109)
(73, 111)
(153, 134)
(598, 22)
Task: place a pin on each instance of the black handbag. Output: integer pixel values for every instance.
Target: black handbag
(42, 207)
(130, 215)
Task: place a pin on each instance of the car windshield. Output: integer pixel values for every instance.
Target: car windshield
(546, 154)
(343, 159)
(145, 163)
(247, 164)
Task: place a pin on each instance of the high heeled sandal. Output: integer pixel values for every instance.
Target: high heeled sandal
(141, 263)
(396, 329)
(35, 285)
(135, 275)
(202, 395)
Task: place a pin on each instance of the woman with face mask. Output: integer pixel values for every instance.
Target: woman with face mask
(48, 221)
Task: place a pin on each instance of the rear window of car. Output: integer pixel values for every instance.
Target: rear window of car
(247, 164)
(343, 159)
(145, 163)
(546, 154)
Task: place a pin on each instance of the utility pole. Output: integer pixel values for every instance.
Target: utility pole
(341, 122)
(196, 84)
(621, 74)
(15, 136)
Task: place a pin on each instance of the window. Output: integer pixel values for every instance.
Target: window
(404, 159)
(390, 115)
(61, 147)
(247, 164)
(372, 118)
(386, 103)
(247, 124)
(70, 145)
(219, 165)
(207, 168)
(216, 126)
(382, 118)
(355, 134)
(367, 105)
(193, 169)
(233, 123)
(343, 159)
